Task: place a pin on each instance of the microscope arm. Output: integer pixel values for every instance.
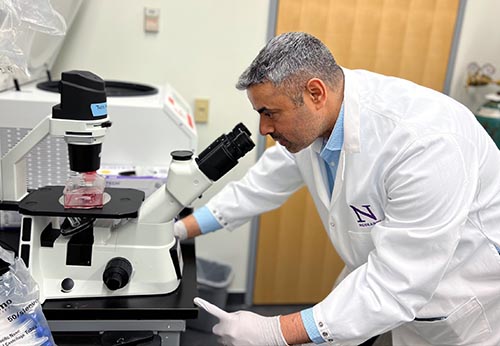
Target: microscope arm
(13, 167)
(188, 178)
(185, 183)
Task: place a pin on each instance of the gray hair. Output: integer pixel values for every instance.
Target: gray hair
(288, 61)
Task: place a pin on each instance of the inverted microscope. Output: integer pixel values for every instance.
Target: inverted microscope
(123, 245)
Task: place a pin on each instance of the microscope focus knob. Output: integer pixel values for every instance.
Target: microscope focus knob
(117, 273)
(67, 285)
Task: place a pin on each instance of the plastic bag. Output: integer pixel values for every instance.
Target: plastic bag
(21, 317)
(19, 20)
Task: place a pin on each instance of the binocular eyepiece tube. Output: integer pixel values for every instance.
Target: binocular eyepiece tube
(223, 154)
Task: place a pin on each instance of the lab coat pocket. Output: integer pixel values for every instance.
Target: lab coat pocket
(466, 325)
(361, 245)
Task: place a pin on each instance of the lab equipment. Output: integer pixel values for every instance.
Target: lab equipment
(22, 321)
(81, 119)
(126, 247)
(480, 75)
(489, 116)
(135, 107)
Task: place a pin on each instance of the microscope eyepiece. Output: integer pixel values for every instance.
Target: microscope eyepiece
(240, 137)
(182, 155)
(223, 154)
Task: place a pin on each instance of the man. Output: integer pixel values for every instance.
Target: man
(407, 185)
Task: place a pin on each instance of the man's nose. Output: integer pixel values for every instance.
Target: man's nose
(265, 126)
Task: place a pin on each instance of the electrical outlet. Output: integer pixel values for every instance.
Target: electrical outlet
(201, 107)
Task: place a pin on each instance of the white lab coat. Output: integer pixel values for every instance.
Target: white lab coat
(415, 215)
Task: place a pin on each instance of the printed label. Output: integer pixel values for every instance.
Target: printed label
(99, 109)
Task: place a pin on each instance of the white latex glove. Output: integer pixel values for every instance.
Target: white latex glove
(244, 328)
(180, 231)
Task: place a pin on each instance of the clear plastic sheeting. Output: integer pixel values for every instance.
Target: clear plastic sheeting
(21, 317)
(19, 21)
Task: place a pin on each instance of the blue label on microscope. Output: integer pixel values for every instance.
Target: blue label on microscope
(99, 109)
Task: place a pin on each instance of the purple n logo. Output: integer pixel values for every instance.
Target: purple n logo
(363, 213)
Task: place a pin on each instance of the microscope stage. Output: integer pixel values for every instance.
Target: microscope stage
(124, 203)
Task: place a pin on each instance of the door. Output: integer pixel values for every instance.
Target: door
(411, 39)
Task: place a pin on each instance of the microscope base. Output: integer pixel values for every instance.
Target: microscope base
(74, 267)
(111, 257)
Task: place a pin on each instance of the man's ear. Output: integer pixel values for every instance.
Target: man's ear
(317, 92)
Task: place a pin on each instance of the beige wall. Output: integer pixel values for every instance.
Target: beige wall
(479, 42)
(201, 49)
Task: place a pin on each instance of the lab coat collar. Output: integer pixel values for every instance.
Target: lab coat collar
(351, 139)
(351, 116)
(351, 112)
(317, 145)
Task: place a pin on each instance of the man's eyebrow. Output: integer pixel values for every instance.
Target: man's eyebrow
(262, 109)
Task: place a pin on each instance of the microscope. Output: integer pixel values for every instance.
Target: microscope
(127, 246)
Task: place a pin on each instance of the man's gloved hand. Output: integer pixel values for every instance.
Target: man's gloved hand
(180, 231)
(244, 328)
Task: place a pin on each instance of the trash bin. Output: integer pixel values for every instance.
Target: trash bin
(213, 279)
